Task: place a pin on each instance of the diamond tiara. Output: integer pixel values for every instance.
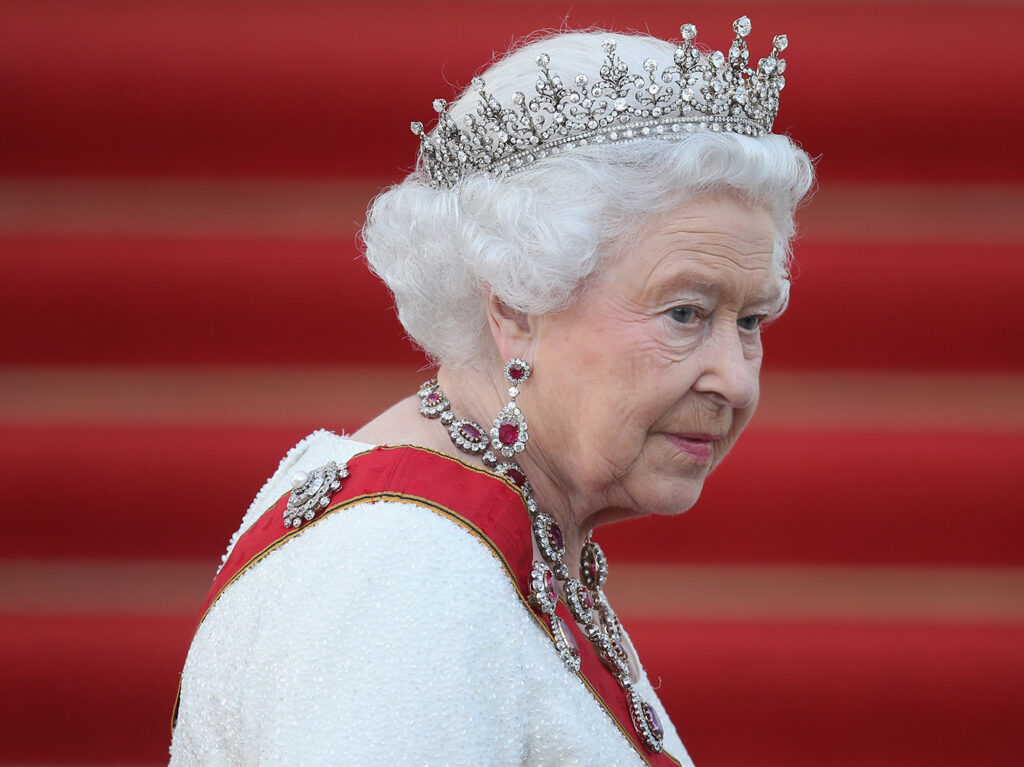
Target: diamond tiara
(717, 92)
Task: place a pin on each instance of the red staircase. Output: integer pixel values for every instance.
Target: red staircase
(181, 185)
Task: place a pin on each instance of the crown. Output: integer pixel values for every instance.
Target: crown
(695, 92)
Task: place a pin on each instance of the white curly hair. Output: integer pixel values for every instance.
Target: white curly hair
(535, 237)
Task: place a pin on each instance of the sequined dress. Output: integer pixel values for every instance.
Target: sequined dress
(388, 635)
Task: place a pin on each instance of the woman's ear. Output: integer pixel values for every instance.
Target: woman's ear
(513, 331)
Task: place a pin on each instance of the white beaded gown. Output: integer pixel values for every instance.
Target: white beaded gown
(386, 636)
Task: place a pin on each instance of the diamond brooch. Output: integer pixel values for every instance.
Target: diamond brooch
(312, 491)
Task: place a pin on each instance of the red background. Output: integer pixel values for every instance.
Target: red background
(140, 272)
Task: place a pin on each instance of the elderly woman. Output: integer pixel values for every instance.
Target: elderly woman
(595, 234)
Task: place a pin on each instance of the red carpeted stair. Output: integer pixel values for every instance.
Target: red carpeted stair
(181, 186)
(324, 88)
(841, 694)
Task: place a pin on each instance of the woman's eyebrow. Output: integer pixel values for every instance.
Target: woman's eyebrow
(681, 281)
(771, 298)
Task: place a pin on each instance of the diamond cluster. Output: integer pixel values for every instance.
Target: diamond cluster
(311, 493)
(716, 92)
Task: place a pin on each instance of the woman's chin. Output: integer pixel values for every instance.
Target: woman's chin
(669, 495)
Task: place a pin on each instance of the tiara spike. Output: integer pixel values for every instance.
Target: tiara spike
(694, 92)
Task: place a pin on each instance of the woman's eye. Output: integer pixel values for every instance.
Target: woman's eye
(751, 322)
(683, 314)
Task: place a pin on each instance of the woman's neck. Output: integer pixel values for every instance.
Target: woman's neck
(479, 395)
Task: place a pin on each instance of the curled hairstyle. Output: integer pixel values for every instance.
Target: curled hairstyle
(533, 238)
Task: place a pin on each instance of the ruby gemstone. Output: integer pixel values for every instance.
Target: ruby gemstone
(508, 432)
(470, 431)
(555, 537)
(590, 572)
(516, 476)
(433, 398)
(515, 372)
(588, 601)
(549, 584)
(654, 721)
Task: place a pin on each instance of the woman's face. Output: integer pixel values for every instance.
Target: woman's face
(643, 385)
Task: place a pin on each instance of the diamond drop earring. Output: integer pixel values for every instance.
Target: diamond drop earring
(510, 432)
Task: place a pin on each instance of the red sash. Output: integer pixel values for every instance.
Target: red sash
(485, 504)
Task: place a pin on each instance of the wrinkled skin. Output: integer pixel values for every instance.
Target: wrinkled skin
(643, 385)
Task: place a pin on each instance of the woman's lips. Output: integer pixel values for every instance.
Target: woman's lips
(700, 447)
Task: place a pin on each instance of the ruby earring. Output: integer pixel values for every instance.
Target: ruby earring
(510, 433)
(507, 436)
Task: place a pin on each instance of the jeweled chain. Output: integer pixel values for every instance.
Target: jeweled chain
(584, 597)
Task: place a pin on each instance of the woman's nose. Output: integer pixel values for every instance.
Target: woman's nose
(728, 373)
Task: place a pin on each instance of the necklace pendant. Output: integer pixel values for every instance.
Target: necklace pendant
(549, 538)
(433, 402)
(468, 435)
(579, 601)
(514, 472)
(646, 721)
(542, 588)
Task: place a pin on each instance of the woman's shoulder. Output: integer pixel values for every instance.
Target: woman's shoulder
(385, 558)
(395, 552)
(311, 451)
(382, 612)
